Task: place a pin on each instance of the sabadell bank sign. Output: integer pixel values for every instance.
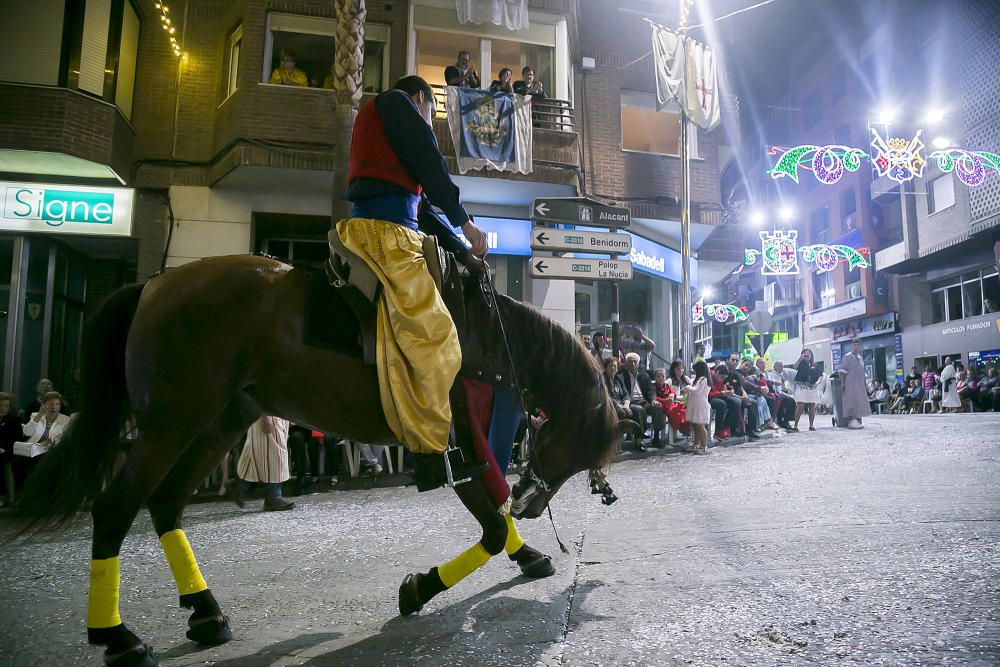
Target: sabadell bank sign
(66, 209)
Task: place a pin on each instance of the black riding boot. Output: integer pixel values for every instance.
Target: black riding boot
(429, 469)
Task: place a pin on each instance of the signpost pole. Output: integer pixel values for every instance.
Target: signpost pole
(687, 351)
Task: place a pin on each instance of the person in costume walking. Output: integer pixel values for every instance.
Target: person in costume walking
(856, 405)
(264, 460)
(394, 160)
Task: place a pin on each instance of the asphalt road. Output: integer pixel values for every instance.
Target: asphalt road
(871, 547)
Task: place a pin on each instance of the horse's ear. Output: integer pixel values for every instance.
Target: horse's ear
(626, 426)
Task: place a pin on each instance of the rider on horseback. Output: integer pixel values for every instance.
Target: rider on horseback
(394, 158)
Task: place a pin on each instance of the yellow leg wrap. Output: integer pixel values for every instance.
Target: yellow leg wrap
(514, 541)
(182, 563)
(465, 564)
(102, 606)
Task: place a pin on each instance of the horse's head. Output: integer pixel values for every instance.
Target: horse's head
(591, 439)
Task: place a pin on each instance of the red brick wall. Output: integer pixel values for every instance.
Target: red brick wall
(615, 39)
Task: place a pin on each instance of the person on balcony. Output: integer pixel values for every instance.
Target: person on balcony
(529, 85)
(502, 84)
(287, 74)
(462, 73)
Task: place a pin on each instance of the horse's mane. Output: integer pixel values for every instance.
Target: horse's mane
(563, 379)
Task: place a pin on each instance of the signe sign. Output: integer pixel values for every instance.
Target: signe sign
(579, 211)
(44, 207)
(581, 269)
(575, 240)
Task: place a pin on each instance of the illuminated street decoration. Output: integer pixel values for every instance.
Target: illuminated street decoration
(723, 311)
(698, 311)
(778, 253)
(827, 257)
(897, 158)
(750, 256)
(970, 166)
(828, 163)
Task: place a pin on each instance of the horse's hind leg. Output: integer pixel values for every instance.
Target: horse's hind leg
(207, 625)
(113, 512)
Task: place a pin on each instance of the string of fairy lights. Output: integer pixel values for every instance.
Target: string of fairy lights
(169, 28)
(685, 9)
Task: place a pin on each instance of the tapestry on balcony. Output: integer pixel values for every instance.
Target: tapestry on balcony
(490, 130)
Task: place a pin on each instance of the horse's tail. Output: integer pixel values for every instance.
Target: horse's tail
(71, 476)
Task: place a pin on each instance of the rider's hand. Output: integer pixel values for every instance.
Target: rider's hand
(475, 236)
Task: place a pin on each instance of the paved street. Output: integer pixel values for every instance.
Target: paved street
(865, 547)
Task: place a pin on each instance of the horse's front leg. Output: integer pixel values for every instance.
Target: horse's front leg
(499, 534)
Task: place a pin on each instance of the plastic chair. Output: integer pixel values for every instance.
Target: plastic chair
(928, 406)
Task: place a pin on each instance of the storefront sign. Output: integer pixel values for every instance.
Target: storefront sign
(842, 311)
(968, 328)
(899, 355)
(575, 268)
(65, 209)
(872, 326)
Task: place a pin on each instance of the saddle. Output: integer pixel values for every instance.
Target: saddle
(360, 288)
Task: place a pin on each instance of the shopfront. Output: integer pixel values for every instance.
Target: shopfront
(54, 239)
(973, 340)
(879, 336)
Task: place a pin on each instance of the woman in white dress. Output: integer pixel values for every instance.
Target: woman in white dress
(950, 401)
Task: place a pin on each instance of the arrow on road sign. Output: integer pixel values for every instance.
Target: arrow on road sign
(542, 208)
(541, 266)
(542, 238)
(580, 211)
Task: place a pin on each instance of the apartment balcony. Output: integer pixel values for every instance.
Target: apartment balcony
(53, 131)
(782, 294)
(555, 149)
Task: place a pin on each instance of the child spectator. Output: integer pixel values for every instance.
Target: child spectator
(671, 400)
(698, 408)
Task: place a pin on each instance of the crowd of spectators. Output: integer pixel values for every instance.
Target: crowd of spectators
(950, 388)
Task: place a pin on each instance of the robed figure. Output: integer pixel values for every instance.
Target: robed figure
(855, 395)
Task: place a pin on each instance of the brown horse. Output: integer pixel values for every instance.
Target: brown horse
(198, 353)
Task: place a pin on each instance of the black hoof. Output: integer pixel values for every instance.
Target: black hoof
(137, 656)
(209, 631)
(409, 596)
(538, 568)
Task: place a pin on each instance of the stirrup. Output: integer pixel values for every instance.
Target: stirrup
(448, 453)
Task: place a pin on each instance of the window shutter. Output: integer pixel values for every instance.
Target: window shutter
(94, 51)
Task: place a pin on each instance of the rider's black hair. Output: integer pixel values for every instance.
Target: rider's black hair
(413, 84)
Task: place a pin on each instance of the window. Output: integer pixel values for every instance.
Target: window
(788, 325)
(973, 293)
(812, 109)
(234, 42)
(647, 130)
(852, 290)
(825, 295)
(303, 47)
(437, 50)
(940, 193)
(819, 224)
(128, 53)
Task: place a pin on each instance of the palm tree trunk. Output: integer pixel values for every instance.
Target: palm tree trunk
(347, 77)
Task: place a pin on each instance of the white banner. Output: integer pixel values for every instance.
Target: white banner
(512, 14)
(686, 73)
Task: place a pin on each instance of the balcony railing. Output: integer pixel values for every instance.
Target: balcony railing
(546, 114)
(782, 293)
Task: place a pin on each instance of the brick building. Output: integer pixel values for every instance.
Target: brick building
(167, 108)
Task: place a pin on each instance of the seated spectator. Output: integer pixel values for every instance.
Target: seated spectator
(989, 391)
(670, 398)
(10, 432)
(43, 387)
(727, 406)
(287, 74)
(44, 428)
(780, 383)
(529, 85)
(634, 340)
(880, 395)
(599, 346)
(462, 73)
(968, 387)
(620, 397)
(752, 390)
(502, 84)
(640, 391)
(914, 398)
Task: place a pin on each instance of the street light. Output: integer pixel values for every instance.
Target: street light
(786, 213)
(934, 115)
(757, 218)
(942, 142)
(886, 115)
(707, 292)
